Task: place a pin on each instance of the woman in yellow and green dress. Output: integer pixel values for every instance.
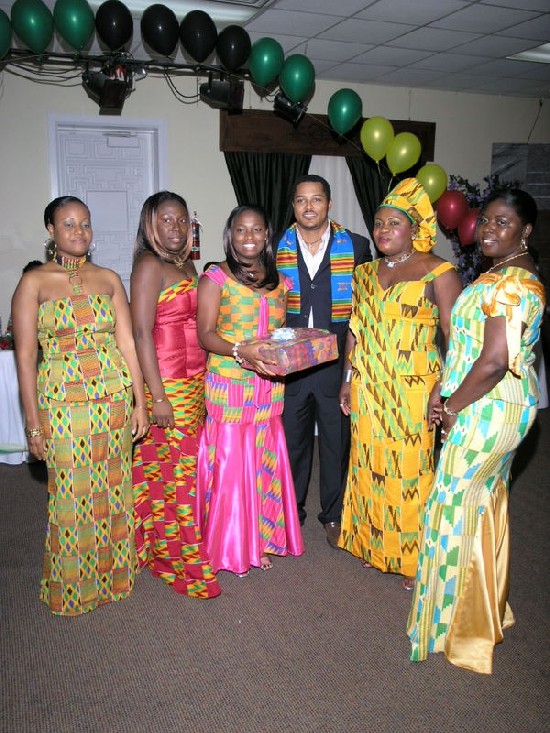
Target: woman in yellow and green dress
(80, 414)
(164, 318)
(392, 367)
(489, 401)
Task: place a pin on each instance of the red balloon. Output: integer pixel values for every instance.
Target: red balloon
(467, 227)
(452, 207)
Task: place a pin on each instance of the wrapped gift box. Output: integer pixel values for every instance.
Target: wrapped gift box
(294, 349)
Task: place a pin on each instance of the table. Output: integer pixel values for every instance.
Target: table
(13, 444)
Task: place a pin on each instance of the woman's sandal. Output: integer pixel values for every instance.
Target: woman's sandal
(365, 564)
(265, 563)
(408, 583)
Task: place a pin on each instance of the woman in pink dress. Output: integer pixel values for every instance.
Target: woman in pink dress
(245, 489)
(164, 304)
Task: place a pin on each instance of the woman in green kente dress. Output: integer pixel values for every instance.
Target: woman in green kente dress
(490, 394)
(80, 414)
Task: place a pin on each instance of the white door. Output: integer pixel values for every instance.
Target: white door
(113, 166)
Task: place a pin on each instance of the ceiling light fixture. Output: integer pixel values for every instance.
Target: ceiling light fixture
(109, 87)
(538, 55)
(223, 94)
(222, 11)
(293, 111)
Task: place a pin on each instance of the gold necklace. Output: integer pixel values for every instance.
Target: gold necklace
(253, 274)
(399, 260)
(508, 259)
(73, 265)
(179, 261)
(310, 244)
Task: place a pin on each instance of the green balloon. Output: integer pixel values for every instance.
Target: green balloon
(434, 180)
(5, 34)
(74, 21)
(377, 135)
(265, 60)
(33, 23)
(297, 77)
(344, 110)
(403, 153)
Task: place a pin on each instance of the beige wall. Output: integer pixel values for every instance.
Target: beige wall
(467, 125)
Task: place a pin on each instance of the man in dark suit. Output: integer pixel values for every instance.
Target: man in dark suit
(319, 256)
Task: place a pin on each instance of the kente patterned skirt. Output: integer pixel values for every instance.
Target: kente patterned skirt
(459, 605)
(89, 554)
(168, 540)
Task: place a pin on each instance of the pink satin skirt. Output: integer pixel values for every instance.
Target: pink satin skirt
(246, 505)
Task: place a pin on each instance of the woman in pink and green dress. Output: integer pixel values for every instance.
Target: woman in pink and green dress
(245, 490)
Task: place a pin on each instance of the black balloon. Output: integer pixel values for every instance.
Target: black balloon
(233, 47)
(198, 35)
(114, 24)
(160, 29)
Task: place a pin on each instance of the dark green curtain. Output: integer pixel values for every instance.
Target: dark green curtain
(267, 179)
(371, 184)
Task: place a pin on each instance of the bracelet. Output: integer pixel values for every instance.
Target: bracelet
(449, 412)
(235, 352)
(140, 407)
(347, 375)
(33, 432)
(162, 399)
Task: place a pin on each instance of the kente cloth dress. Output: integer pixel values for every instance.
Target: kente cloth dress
(245, 488)
(459, 605)
(395, 365)
(85, 407)
(168, 539)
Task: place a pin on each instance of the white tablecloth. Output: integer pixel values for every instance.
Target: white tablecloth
(13, 444)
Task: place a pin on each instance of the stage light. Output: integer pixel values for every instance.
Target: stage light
(223, 94)
(109, 87)
(292, 111)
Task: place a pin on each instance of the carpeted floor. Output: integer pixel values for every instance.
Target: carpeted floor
(316, 645)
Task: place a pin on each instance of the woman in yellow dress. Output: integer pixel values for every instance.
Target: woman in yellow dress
(392, 366)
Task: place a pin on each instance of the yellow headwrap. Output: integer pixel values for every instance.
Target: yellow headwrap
(410, 198)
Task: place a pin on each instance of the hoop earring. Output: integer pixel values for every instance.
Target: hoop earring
(51, 248)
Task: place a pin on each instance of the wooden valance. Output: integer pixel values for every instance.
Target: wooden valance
(262, 131)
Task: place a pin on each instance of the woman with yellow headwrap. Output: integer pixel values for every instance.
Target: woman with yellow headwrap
(392, 367)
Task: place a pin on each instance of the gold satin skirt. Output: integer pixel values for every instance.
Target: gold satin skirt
(459, 603)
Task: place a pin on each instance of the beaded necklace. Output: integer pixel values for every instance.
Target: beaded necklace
(73, 265)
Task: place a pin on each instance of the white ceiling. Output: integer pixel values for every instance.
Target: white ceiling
(457, 45)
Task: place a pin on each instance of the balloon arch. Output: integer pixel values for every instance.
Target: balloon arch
(263, 62)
